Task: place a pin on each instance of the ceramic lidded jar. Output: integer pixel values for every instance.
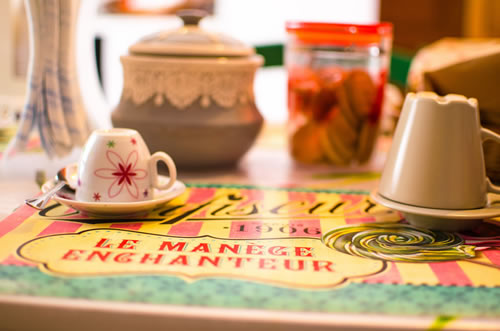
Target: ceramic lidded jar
(190, 92)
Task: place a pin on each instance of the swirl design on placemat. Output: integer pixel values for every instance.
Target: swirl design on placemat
(398, 242)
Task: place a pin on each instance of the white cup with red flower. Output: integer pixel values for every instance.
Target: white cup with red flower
(116, 166)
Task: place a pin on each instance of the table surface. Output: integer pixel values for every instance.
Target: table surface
(267, 166)
(267, 163)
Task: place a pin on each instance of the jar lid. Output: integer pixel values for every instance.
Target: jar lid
(191, 40)
(336, 33)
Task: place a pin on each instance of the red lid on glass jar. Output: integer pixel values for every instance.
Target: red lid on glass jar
(337, 33)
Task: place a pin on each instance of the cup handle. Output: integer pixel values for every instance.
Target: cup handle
(153, 170)
(490, 135)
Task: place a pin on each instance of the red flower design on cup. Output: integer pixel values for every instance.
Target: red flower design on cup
(123, 173)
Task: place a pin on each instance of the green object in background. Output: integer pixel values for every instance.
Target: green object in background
(400, 62)
(273, 54)
(400, 65)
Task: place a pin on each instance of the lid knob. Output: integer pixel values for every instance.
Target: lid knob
(191, 16)
(191, 40)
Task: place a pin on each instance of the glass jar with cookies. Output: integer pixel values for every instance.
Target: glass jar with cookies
(336, 78)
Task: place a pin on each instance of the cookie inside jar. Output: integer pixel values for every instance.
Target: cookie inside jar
(335, 91)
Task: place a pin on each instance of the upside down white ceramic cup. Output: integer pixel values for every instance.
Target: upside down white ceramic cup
(116, 166)
(436, 158)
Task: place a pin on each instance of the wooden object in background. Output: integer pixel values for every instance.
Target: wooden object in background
(481, 18)
(418, 23)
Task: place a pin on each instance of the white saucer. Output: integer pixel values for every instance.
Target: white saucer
(443, 219)
(120, 208)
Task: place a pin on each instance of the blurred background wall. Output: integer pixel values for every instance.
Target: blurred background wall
(115, 25)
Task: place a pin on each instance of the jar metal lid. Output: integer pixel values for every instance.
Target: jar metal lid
(191, 40)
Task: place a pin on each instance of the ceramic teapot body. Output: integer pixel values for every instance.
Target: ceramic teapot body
(199, 107)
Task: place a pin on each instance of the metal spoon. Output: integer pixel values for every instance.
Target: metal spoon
(60, 183)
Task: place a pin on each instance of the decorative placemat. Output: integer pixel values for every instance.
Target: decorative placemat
(251, 247)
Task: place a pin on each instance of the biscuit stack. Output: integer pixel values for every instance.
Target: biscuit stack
(335, 115)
